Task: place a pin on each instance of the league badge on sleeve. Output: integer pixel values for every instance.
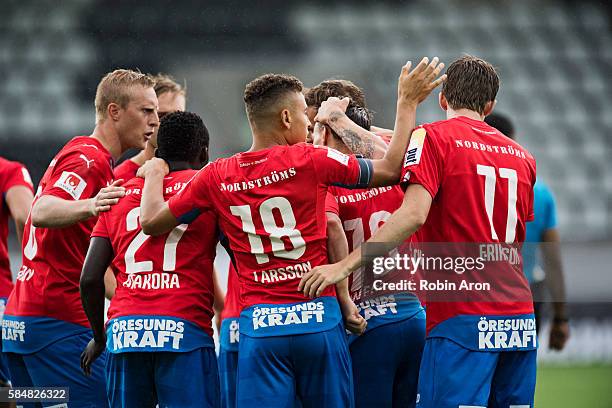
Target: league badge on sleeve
(338, 156)
(71, 183)
(415, 148)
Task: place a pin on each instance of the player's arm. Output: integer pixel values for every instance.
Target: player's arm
(54, 212)
(406, 220)
(337, 249)
(18, 200)
(357, 139)
(99, 257)
(219, 299)
(413, 87)
(553, 269)
(155, 215)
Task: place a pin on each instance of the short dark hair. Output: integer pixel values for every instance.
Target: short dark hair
(181, 137)
(262, 93)
(361, 116)
(471, 82)
(335, 87)
(502, 123)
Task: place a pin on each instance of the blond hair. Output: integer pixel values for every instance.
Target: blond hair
(116, 86)
(164, 83)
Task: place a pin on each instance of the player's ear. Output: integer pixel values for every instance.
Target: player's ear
(286, 118)
(489, 106)
(113, 111)
(442, 102)
(204, 156)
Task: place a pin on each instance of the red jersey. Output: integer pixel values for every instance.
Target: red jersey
(271, 206)
(11, 174)
(362, 212)
(167, 275)
(48, 282)
(482, 188)
(231, 308)
(126, 170)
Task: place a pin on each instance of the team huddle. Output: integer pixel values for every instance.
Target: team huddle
(294, 213)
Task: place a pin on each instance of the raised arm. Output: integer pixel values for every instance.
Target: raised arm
(155, 215)
(54, 212)
(356, 138)
(413, 87)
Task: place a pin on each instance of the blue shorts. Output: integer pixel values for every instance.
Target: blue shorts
(59, 365)
(452, 376)
(170, 379)
(228, 367)
(386, 363)
(311, 370)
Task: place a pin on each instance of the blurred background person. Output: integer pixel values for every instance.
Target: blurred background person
(542, 237)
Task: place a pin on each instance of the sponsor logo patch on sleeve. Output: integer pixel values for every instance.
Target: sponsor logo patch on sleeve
(415, 148)
(338, 156)
(71, 183)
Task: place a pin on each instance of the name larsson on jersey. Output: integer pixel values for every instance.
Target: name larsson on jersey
(282, 274)
(516, 333)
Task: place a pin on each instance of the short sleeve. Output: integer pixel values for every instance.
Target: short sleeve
(101, 227)
(193, 199)
(422, 162)
(331, 204)
(76, 176)
(336, 168)
(16, 175)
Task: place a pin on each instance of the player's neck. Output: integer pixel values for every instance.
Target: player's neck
(266, 139)
(179, 165)
(452, 113)
(147, 153)
(109, 139)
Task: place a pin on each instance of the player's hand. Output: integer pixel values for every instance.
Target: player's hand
(414, 86)
(353, 321)
(331, 108)
(314, 282)
(153, 166)
(559, 334)
(93, 350)
(107, 197)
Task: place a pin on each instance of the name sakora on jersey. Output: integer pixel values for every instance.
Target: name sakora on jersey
(13, 330)
(146, 333)
(501, 334)
(152, 281)
(301, 313)
(71, 183)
